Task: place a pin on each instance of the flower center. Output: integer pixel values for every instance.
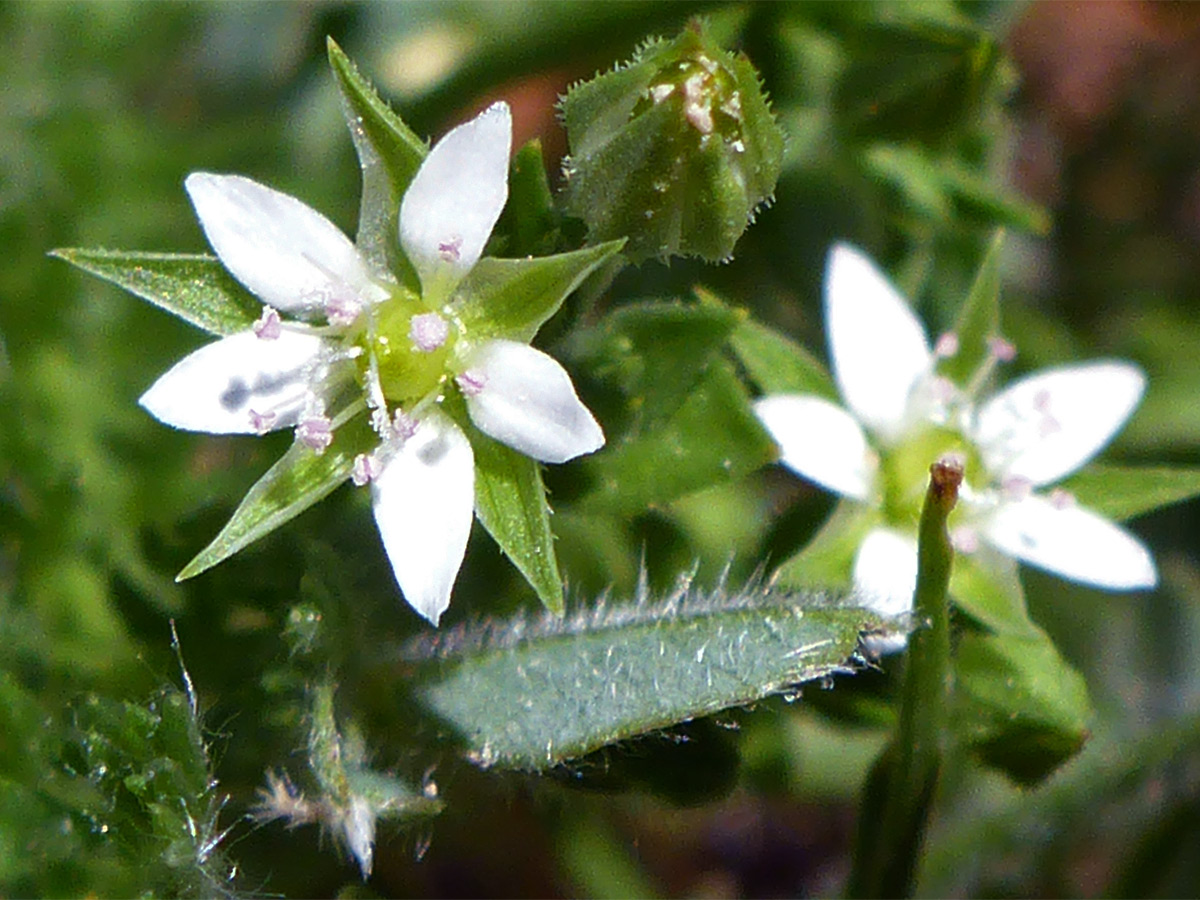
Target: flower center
(411, 347)
(904, 471)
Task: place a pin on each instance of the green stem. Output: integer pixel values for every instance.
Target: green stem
(900, 789)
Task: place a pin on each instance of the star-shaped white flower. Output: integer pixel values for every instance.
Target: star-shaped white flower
(1028, 436)
(406, 351)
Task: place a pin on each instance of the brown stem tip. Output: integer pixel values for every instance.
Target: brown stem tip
(945, 476)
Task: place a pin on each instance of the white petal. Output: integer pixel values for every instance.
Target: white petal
(449, 209)
(216, 388)
(877, 346)
(820, 441)
(1049, 424)
(527, 401)
(885, 571)
(288, 254)
(1071, 541)
(424, 500)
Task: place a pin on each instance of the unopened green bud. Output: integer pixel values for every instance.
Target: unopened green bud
(675, 150)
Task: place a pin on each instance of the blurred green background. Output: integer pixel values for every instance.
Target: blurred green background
(105, 107)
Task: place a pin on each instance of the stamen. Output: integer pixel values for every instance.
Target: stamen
(342, 310)
(1061, 499)
(403, 425)
(366, 469)
(428, 332)
(1002, 350)
(1016, 487)
(471, 382)
(269, 326)
(946, 346)
(964, 539)
(316, 433)
(262, 422)
(451, 250)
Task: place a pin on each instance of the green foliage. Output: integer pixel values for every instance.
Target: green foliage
(1023, 709)
(299, 479)
(192, 286)
(900, 138)
(531, 696)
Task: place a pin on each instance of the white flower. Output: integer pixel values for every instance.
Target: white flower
(406, 351)
(900, 416)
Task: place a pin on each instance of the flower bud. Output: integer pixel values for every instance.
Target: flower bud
(675, 150)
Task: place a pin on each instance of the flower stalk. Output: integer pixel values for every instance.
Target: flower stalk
(900, 789)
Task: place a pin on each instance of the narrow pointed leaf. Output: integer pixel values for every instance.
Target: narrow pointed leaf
(512, 298)
(712, 438)
(1122, 492)
(979, 318)
(529, 221)
(389, 153)
(534, 695)
(827, 561)
(777, 364)
(985, 585)
(1021, 707)
(653, 353)
(510, 502)
(298, 480)
(401, 151)
(193, 286)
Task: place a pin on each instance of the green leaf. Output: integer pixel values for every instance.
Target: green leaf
(529, 219)
(777, 364)
(532, 696)
(298, 480)
(195, 287)
(1122, 492)
(978, 193)
(653, 353)
(145, 785)
(916, 79)
(510, 502)
(985, 585)
(713, 437)
(512, 298)
(1021, 707)
(978, 319)
(390, 154)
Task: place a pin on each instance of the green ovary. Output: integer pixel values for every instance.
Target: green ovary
(406, 374)
(904, 471)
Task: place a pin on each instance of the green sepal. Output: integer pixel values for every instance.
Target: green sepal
(942, 188)
(828, 559)
(195, 287)
(298, 480)
(651, 168)
(1122, 492)
(987, 587)
(533, 695)
(530, 221)
(510, 502)
(913, 80)
(653, 353)
(777, 364)
(1021, 707)
(390, 154)
(512, 298)
(978, 319)
(713, 437)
